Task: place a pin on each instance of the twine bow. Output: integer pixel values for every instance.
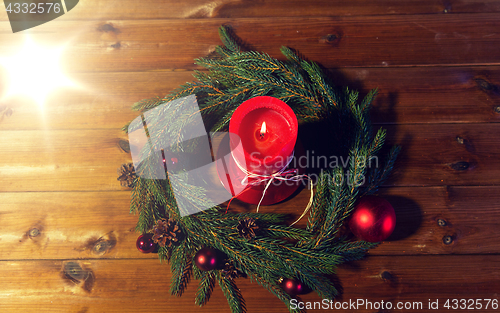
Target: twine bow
(282, 174)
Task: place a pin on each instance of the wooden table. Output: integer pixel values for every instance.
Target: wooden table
(67, 242)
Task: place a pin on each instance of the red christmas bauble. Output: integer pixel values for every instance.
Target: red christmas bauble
(294, 287)
(206, 259)
(373, 219)
(145, 243)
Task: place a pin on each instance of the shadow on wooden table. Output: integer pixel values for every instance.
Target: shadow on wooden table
(408, 217)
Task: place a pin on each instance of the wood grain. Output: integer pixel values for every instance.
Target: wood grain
(71, 160)
(428, 94)
(142, 285)
(61, 160)
(445, 154)
(163, 9)
(443, 220)
(406, 95)
(62, 225)
(122, 45)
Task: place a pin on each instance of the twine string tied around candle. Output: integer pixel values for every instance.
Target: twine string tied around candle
(253, 179)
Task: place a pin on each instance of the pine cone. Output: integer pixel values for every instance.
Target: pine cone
(166, 232)
(230, 272)
(127, 175)
(247, 228)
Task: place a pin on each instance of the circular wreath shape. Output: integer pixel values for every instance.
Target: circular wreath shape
(262, 246)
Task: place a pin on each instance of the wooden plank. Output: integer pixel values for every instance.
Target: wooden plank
(443, 220)
(163, 9)
(419, 279)
(62, 225)
(406, 95)
(142, 285)
(428, 94)
(445, 154)
(61, 160)
(122, 45)
(87, 160)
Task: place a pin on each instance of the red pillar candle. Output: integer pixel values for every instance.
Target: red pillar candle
(263, 132)
(267, 128)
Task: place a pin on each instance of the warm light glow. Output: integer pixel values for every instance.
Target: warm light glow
(365, 219)
(34, 71)
(263, 129)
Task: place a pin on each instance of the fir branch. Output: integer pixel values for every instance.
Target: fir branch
(367, 100)
(144, 203)
(164, 253)
(217, 217)
(391, 159)
(377, 143)
(205, 288)
(232, 293)
(379, 177)
(323, 286)
(321, 199)
(228, 40)
(198, 273)
(317, 78)
(345, 249)
(147, 104)
(282, 231)
(222, 51)
(291, 55)
(181, 268)
(339, 205)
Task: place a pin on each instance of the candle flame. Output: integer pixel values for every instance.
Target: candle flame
(263, 129)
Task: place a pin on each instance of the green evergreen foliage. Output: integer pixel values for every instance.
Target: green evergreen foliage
(278, 250)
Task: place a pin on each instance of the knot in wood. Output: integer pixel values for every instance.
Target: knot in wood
(34, 232)
(442, 222)
(108, 27)
(460, 166)
(447, 240)
(483, 84)
(386, 275)
(100, 247)
(124, 145)
(497, 109)
(330, 38)
(74, 272)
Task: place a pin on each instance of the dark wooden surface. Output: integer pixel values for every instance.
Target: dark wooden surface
(66, 239)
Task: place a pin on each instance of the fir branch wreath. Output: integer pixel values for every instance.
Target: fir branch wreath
(261, 246)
